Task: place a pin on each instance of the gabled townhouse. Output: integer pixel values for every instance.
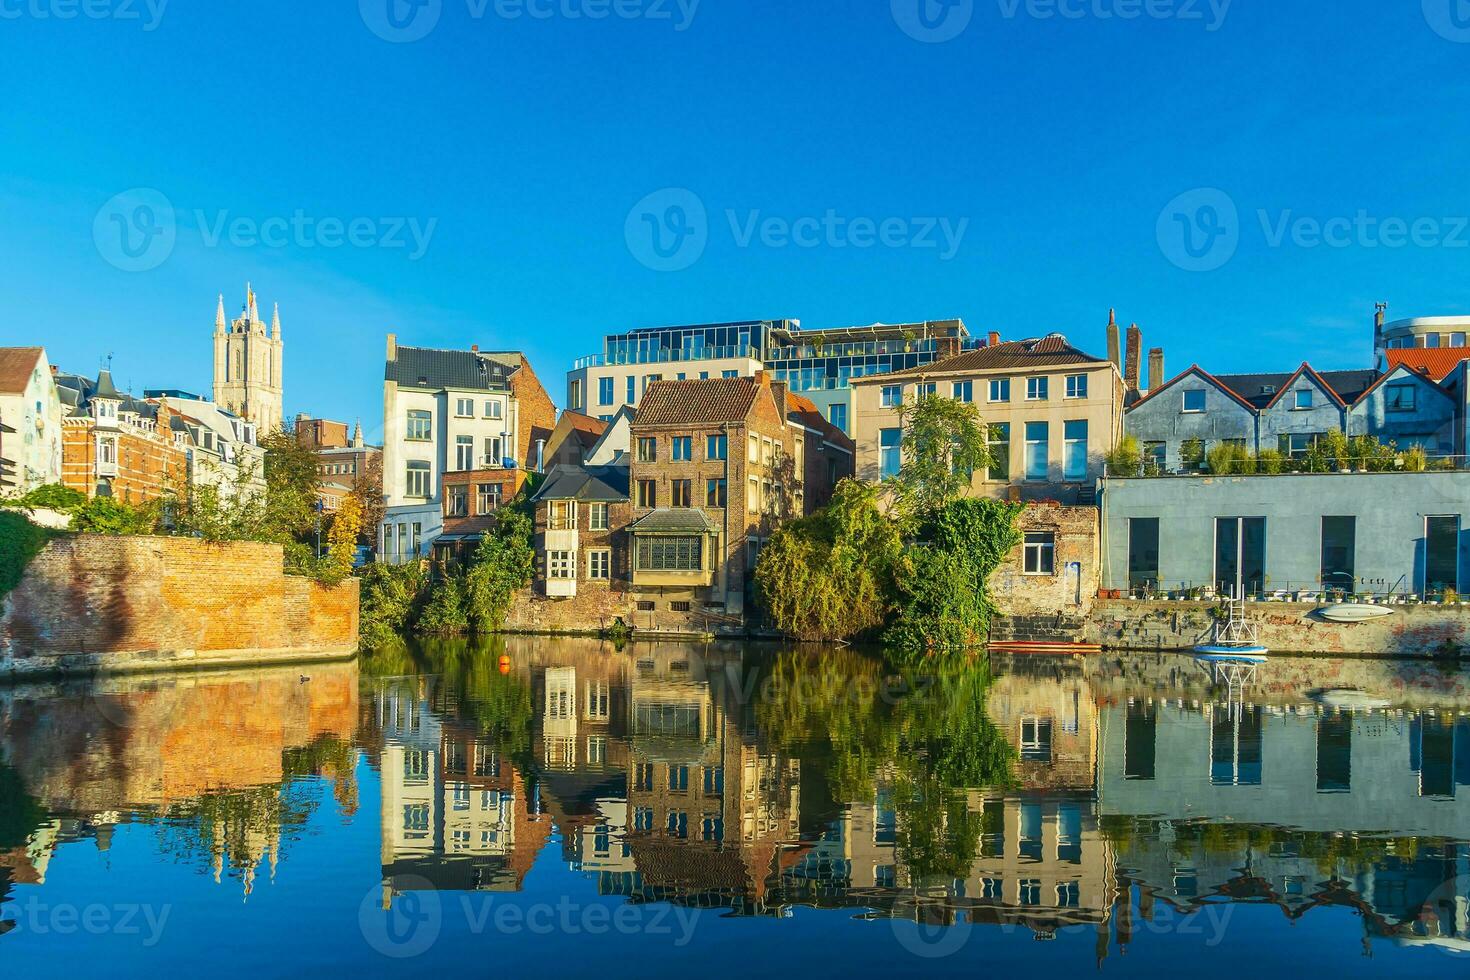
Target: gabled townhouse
(223, 449)
(574, 436)
(114, 445)
(461, 432)
(1288, 413)
(1052, 411)
(30, 404)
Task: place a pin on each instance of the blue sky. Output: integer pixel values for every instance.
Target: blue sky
(1064, 154)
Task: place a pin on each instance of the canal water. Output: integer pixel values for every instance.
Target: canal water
(554, 807)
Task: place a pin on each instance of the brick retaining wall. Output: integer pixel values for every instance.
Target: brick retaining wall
(98, 604)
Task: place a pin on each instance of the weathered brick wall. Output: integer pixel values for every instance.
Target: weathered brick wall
(535, 413)
(1060, 593)
(92, 602)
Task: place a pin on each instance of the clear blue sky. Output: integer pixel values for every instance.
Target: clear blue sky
(1057, 141)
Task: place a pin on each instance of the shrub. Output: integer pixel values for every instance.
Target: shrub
(504, 564)
(390, 597)
(1270, 461)
(445, 612)
(104, 515)
(1416, 460)
(1192, 453)
(20, 541)
(51, 496)
(1126, 459)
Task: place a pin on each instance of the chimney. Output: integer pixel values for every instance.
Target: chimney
(1131, 358)
(1380, 342)
(1114, 351)
(301, 417)
(993, 340)
(474, 348)
(763, 378)
(392, 347)
(540, 455)
(1155, 368)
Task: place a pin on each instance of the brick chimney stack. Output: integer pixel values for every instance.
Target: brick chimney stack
(993, 340)
(1114, 351)
(1380, 343)
(1155, 368)
(392, 347)
(1130, 361)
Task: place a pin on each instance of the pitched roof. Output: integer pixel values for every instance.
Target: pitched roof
(1199, 372)
(595, 483)
(422, 367)
(1403, 373)
(16, 365)
(1049, 351)
(1345, 385)
(700, 401)
(1437, 362)
(804, 411)
(674, 520)
(585, 429)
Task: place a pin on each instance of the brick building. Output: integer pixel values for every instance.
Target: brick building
(346, 464)
(113, 445)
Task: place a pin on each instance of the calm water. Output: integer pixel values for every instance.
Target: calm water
(558, 807)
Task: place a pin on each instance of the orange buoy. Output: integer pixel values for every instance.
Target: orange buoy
(505, 665)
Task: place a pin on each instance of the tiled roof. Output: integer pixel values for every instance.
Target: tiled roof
(1049, 351)
(584, 428)
(805, 412)
(1437, 361)
(697, 402)
(597, 483)
(673, 520)
(16, 365)
(421, 367)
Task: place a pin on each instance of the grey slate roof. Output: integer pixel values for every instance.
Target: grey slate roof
(595, 483)
(673, 520)
(421, 367)
(1252, 387)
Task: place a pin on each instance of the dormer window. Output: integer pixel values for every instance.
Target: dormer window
(1268, 389)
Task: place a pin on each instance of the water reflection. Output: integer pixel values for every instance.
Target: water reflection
(1059, 798)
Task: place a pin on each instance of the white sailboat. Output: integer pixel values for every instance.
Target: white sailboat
(1234, 640)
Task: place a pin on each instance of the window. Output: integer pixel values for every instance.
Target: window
(1040, 553)
(678, 825)
(464, 408)
(647, 493)
(599, 565)
(457, 503)
(753, 450)
(714, 780)
(1194, 401)
(963, 391)
(1076, 386)
(561, 515)
(678, 779)
(1155, 453)
(604, 391)
(488, 498)
(1399, 398)
(1457, 340)
(890, 452)
(107, 450)
(1074, 448)
(1441, 537)
(561, 565)
(494, 410)
(464, 453)
(1037, 450)
(649, 379)
(671, 554)
(837, 415)
(716, 448)
(1240, 553)
(999, 440)
(420, 427)
(681, 493)
(925, 390)
(416, 480)
(682, 448)
(1000, 390)
(1298, 444)
(632, 390)
(1302, 399)
(768, 452)
(729, 374)
(716, 493)
(891, 396)
(494, 451)
(647, 450)
(1143, 552)
(1037, 389)
(1339, 546)
(597, 517)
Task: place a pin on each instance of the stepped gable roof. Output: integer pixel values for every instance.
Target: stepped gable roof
(700, 401)
(673, 520)
(422, 367)
(1049, 351)
(1436, 362)
(592, 483)
(16, 365)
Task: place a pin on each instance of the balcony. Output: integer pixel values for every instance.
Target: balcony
(664, 356)
(561, 588)
(561, 540)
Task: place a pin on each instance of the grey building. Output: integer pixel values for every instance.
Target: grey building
(1289, 412)
(1369, 532)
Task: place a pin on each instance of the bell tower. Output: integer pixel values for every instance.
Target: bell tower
(247, 364)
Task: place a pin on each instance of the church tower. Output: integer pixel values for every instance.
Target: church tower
(247, 365)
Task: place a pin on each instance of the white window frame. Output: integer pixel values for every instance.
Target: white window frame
(1038, 388)
(597, 517)
(599, 564)
(1076, 386)
(561, 566)
(1002, 385)
(1040, 549)
(1296, 400)
(464, 408)
(890, 396)
(1184, 401)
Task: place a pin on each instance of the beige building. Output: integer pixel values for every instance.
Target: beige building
(31, 407)
(1053, 412)
(247, 365)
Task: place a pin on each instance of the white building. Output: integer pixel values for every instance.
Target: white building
(31, 405)
(220, 443)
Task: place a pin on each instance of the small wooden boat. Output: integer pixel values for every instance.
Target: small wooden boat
(1354, 612)
(1045, 649)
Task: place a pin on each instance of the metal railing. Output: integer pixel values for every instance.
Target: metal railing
(1374, 591)
(1296, 465)
(664, 356)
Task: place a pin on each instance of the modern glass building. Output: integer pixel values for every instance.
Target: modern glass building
(818, 364)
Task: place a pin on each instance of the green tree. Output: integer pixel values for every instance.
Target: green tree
(20, 541)
(944, 443)
(390, 598)
(830, 576)
(105, 515)
(1126, 459)
(503, 565)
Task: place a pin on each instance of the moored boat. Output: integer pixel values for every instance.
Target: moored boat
(1354, 612)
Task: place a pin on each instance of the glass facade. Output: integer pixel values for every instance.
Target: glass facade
(666, 345)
